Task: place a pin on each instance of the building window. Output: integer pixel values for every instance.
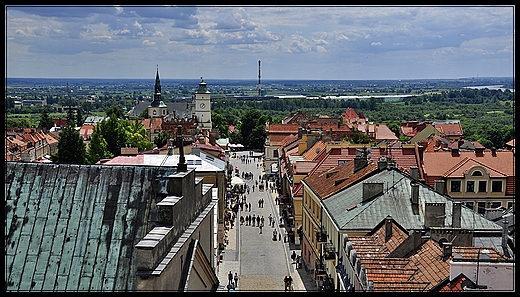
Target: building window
(154, 112)
(469, 205)
(496, 204)
(481, 207)
(496, 186)
(455, 185)
(275, 153)
(476, 173)
(470, 186)
(482, 186)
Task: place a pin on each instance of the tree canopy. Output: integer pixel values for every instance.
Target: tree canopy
(71, 149)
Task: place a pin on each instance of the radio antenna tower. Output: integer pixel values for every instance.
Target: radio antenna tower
(259, 88)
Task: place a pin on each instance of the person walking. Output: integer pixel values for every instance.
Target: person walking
(235, 278)
(261, 226)
(288, 282)
(293, 256)
(230, 278)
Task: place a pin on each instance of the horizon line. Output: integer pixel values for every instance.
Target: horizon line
(269, 79)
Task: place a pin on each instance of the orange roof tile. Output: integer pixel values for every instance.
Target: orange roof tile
(442, 163)
(283, 128)
(384, 133)
(454, 129)
(337, 178)
(318, 147)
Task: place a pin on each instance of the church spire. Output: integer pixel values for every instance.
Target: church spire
(157, 82)
(157, 93)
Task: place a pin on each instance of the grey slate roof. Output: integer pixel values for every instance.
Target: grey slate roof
(350, 213)
(74, 227)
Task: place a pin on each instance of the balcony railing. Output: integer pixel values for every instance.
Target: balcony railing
(329, 252)
(321, 236)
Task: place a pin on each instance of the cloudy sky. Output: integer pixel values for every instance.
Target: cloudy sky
(226, 42)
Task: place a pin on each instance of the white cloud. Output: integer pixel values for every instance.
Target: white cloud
(335, 37)
(147, 42)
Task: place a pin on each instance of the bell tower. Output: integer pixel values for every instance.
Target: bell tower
(157, 108)
(202, 106)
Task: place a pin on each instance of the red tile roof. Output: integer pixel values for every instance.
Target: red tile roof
(424, 267)
(337, 178)
(404, 157)
(384, 133)
(448, 130)
(441, 164)
(283, 128)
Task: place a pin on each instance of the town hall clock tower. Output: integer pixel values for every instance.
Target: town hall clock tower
(202, 106)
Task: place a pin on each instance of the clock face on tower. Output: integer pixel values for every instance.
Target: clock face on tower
(202, 105)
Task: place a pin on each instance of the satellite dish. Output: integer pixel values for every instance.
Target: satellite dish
(369, 156)
(317, 150)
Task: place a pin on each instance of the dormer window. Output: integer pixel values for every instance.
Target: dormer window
(476, 173)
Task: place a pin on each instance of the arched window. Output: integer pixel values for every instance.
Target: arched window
(476, 173)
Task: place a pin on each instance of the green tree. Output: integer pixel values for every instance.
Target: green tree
(219, 121)
(248, 123)
(359, 137)
(71, 149)
(136, 135)
(45, 120)
(79, 117)
(97, 148)
(162, 138)
(114, 134)
(117, 111)
(71, 119)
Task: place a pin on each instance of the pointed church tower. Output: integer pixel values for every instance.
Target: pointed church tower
(202, 103)
(157, 108)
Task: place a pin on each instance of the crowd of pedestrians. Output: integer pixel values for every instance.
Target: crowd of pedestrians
(243, 211)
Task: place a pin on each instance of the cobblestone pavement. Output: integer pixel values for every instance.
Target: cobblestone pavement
(261, 262)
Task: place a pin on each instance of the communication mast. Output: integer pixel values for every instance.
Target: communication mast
(259, 87)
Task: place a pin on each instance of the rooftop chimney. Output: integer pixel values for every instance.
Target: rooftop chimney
(371, 189)
(170, 147)
(360, 161)
(439, 186)
(415, 193)
(434, 214)
(504, 237)
(456, 215)
(414, 172)
(388, 227)
(382, 163)
(446, 250)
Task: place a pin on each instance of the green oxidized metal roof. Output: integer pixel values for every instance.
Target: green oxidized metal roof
(350, 213)
(202, 87)
(74, 227)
